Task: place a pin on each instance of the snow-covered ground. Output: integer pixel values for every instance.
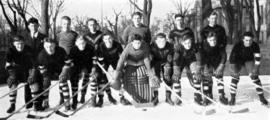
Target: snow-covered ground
(246, 96)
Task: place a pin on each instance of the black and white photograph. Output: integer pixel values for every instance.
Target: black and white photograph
(134, 59)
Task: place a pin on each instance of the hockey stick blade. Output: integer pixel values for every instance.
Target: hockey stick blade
(61, 113)
(35, 116)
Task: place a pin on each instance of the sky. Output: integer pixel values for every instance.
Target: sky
(92, 8)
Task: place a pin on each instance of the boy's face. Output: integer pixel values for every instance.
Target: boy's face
(19, 45)
(160, 42)
(179, 21)
(212, 41)
(212, 20)
(107, 39)
(92, 26)
(186, 43)
(33, 27)
(65, 24)
(49, 47)
(136, 44)
(247, 41)
(80, 43)
(136, 19)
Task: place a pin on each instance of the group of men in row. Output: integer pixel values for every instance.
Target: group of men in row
(139, 67)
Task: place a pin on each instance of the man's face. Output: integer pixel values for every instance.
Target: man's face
(49, 47)
(212, 20)
(186, 43)
(136, 44)
(179, 22)
(212, 41)
(247, 41)
(107, 39)
(92, 25)
(33, 27)
(160, 42)
(19, 45)
(80, 43)
(136, 19)
(65, 24)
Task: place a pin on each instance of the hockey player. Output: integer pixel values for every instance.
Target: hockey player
(176, 35)
(246, 54)
(135, 63)
(213, 62)
(81, 58)
(94, 38)
(186, 55)
(53, 60)
(66, 39)
(214, 27)
(108, 53)
(161, 61)
(136, 28)
(19, 60)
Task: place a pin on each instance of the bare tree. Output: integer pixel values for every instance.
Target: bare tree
(146, 11)
(55, 7)
(16, 7)
(181, 9)
(228, 10)
(44, 17)
(250, 9)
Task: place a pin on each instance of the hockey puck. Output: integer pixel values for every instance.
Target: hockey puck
(144, 109)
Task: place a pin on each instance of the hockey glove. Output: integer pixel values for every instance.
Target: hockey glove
(32, 76)
(167, 72)
(64, 74)
(219, 71)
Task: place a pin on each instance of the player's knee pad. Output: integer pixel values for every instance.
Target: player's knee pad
(46, 82)
(254, 76)
(12, 81)
(235, 75)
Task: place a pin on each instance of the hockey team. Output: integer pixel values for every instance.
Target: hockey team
(140, 64)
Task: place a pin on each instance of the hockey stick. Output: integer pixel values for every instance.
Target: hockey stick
(5, 118)
(89, 100)
(56, 109)
(235, 89)
(126, 94)
(203, 112)
(220, 106)
(13, 90)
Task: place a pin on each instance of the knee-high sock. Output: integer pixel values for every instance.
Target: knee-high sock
(65, 90)
(12, 97)
(220, 85)
(233, 87)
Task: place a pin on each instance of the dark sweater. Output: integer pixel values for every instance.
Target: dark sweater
(67, 40)
(23, 60)
(143, 30)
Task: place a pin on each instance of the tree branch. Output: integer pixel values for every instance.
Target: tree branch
(133, 3)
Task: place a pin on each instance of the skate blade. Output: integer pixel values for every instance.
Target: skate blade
(201, 110)
(239, 110)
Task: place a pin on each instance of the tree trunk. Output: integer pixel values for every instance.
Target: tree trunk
(44, 20)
